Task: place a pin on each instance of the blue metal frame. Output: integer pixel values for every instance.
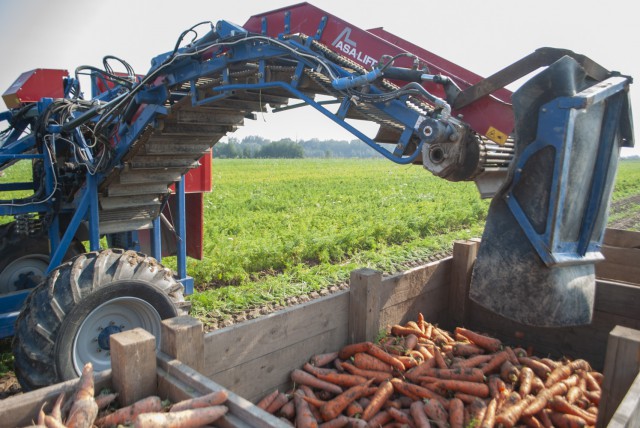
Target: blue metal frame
(556, 130)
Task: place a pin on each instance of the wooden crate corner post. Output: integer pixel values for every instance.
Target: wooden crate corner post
(364, 305)
(183, 339)
(133, 365)
(464, 256)
(621, 366)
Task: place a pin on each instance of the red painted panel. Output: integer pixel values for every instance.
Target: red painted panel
(33, 85)
(367, 48)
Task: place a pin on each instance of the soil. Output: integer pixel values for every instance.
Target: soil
(9, 385)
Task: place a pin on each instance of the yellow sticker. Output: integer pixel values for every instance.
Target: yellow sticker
(496, 136)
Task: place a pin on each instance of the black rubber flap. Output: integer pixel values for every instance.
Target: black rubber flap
(509, 277)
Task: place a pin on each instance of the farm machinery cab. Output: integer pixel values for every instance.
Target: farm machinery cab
(104, 166)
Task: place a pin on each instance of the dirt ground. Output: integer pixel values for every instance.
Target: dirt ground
(9, 385)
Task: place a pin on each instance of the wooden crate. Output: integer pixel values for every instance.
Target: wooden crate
(255, 357)
(172, 379)
(621, 249)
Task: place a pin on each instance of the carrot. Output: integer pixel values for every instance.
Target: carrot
(474, 361)
(126, 415)
(440, 362)
(288, 411)
(456, 413)
(490, 415)
(537, 385)
(474, 388)
(368, 362)
(475, 412)
(338, 422)
(497, 387)
(466, 349)
(321, 360)
(573, 394)
(509, 414)
(354, 409)
(489, 343)
(304, 417)
(420, 419)
(410, 342)
(350, 350)
(183, 419)
(509, 373)
(551, 363)
(334, 407)
(420, 370)
(267, 399)
(426, 355)
(543, 398)
(593, 396)
(421, 323)
(592, 383)
(540, 369)
(56, 411)
(84, 410)
(468, 374)
(563, 372)
(303, 378)
(399, 330)
(416, 392)
(380, 419)
(562, 420)
(377, 376)
(532, 422)
(495, 362)
(408, 362)
(309, 368)
(466, 398)
(211, 399)
(437, 413)
(444, 334)
(512, 356)
(51, 422)
(526, 379)
(599, 377)
(401, 417)
(385, 390)
(312, 400)
(104, 400)
(380, 354)
(277, 404)
(561, 405)
(544, 418)
(344, 380)
(315, 403)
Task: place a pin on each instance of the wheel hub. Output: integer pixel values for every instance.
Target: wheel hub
(103, 337)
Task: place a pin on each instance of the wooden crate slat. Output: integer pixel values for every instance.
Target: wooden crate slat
(618, 298)
(621, 238)
(628, 413)
(253, 339)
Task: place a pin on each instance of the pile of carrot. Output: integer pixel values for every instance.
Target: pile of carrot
(84, 410)
(419, 375)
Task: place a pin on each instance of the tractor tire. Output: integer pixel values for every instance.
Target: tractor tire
(67, 320)
(24, 260)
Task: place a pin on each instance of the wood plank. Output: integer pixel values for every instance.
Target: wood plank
(464, 256)
(183, 339)
(364, 305)
(617, 298)
(618, 272)
(255, 378)
(627, 415)
(232, 346)
(432, 304)
(133, 365)
(238, 406)
(622, 238)
(413, 282)
(21, 410)
(621, 367)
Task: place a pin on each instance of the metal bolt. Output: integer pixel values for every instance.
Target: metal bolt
(99, 349)
(112, 323)
(122, 327)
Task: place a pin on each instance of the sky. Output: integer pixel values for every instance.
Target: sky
(480, 35)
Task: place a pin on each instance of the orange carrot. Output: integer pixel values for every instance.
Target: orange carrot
(466, 398)
(380, 354)
(592, 383)
(440, 362)
(377, 376)
(562, 420)
(512, 356)
(420, 369)
(309, 368)
(425, 353)
(385, 390)
(526, 379)
(380, 419)
(344, 380)
(400, 416)
(407, 361)
(495, 362)
(420, 419)
(51, 422)
(84, 409)
(537, 385)
(599, 377)
(410, 342)
(399, 330)
(490, 415)
(314, 402)
(127, 415)
(183, 419)
(350, 350)
(334, 407)
(544, 418)
(593, 396)
(456, 413)
(104, 400)
(563, 372)
(421, 322)
(288, 411)
(321, 360)
(474, 361)
(543, 398)
(509, 373)
(550, 363)
(475, 412)
(277, 404)
(304, 417)
(368, 362)
(466, 349)
(532, 422)
(437, 413)
(474, 388)
(56, 411)
(339, 422)
(303, 378)
(353, 410)
(540, 369)
(267, 399)
(212, 399)
(573, 394)
(561, 405)
(468, 374)
(509, 414)
(489, 343)
(497, 387)
(416, 392)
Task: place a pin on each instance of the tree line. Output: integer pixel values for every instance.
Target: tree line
(256, 147)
